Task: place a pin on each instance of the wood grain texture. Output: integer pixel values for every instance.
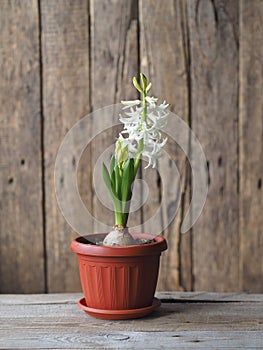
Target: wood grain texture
(251, 146)
(164, 59)
(54, 321)
(134, 340)
(214, 101)
(21, 224)
(65, 57)
(114, 49)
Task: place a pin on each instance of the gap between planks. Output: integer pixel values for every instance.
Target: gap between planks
(166, 297)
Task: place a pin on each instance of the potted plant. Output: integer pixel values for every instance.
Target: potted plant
(119, 270)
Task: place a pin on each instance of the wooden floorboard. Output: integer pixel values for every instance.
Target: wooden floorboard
(185, 320)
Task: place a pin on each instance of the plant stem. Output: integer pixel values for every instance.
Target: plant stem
(119, 219)
(144, 106)
(140, 146)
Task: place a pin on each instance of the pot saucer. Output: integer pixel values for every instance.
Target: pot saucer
(119, 314)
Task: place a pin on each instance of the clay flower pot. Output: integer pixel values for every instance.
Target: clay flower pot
(118, 282)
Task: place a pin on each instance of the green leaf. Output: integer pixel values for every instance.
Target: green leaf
(107, 180)
(117, 181)
(115, 200)
(106, 177)
(144, 80)
(112, 174)
(112, 164)
(126, 190)
(112, 177)
(127, 180)
(137, 85)
(125, 217)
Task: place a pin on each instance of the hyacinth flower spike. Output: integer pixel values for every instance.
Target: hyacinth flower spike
(143, 121)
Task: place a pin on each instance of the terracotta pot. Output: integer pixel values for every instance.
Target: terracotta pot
(118, 278)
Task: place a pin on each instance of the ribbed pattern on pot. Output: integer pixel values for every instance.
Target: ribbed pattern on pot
(125, 283)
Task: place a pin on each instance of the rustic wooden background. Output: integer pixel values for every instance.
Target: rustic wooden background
(60, 59)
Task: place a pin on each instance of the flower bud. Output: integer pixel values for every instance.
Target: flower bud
(121, 152)
(137, 85)
(143, 80)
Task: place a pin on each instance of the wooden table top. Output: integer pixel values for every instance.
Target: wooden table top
(194, 320)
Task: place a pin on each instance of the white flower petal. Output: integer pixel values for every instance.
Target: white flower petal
(129, 104)
(151, 100)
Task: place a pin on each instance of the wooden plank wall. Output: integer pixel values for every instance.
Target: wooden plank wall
(251, 157)
(214, 118)
(65, 95)
(59, 60)
(21, 195)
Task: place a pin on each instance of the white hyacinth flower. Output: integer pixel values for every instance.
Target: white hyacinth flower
(150, 131)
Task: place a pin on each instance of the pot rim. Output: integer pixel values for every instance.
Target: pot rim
(154, 248)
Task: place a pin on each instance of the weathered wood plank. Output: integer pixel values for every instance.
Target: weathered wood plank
(251, 146)
(133, 340)
(170, 317)
(214, 100)
(183, 315)
(21, 268)
(114, 50)
(54, 321)
(65, 57)
(164, 58)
